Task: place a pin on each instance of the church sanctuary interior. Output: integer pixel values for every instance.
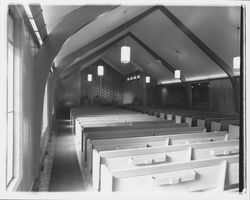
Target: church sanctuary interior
(123, 98)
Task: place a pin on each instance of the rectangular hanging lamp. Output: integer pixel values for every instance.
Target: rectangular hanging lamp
(89, 77)
(100, 70)
(147, 79)
(236, 62)
(177, 73)
(125, 54)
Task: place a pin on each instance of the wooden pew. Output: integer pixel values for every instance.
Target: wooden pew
(233, 131)
(125, 131)
(193, 118)
(150, 142)
(134, 133)
(217, 174)
(185, 115)
(206, 122)
(133, 158)
(222, 125)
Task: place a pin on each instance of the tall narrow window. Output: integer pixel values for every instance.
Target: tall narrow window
(45, 110)
(10, 100)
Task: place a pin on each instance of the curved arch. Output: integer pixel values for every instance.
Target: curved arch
(44, 59)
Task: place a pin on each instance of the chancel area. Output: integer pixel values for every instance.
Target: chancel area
(123, 98)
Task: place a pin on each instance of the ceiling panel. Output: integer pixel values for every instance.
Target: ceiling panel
(215, 26)
(101, 25)
(164, 37)
(54, 14)
(141, 57)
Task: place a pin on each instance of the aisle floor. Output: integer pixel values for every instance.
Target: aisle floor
(66, 173)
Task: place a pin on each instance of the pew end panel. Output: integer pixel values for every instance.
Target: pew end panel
(215, 126)
(107, 180)
(96, 170)
(233, 131)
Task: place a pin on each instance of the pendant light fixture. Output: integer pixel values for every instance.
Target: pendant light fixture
(177, 73)
(236, 60)
(125, 50)
(89, 77)
(147, 79)
(100, 70)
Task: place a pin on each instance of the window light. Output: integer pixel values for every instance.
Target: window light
(27, 10)
(33, 24)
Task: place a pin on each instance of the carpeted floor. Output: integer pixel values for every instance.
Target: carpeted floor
(66, 174)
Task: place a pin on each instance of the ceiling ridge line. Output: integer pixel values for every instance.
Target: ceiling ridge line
(108, 62)
(109, 35)
(96, 53)
(109, 45)
(209, 52)
(155, 55)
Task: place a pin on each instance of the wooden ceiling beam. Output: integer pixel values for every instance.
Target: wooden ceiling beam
(111, 34)
(211, 54)
(155, 55)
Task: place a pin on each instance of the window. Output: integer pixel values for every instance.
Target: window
(10, 102)
(45, 110)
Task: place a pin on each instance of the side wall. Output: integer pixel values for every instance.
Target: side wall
(220, 95)
(68, 93)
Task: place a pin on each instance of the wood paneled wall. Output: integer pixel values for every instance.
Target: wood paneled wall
(221, 96)
(108, 88)
(173, 95)
(68, 90)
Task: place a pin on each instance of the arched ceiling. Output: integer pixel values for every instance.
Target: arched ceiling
(54, 14)
(216, 27)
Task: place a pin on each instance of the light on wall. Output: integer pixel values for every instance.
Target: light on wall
(89, 77)
(100, 70)
(147, 79)
(138, 76)
(177, 73)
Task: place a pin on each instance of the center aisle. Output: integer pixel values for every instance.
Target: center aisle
(66, 173)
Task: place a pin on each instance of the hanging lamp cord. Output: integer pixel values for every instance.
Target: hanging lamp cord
(125, 24)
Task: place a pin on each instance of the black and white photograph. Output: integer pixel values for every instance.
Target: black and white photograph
(124, 99)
